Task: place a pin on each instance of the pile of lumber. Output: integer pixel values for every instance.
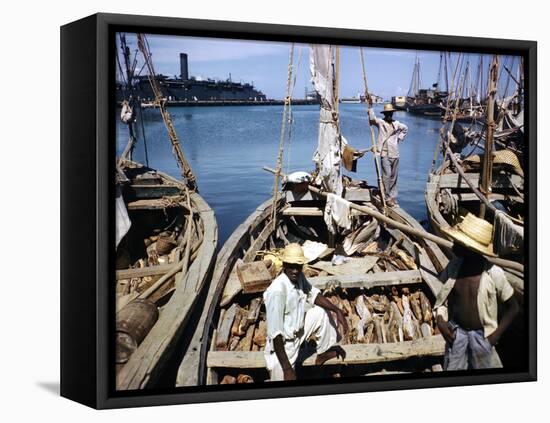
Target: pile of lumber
(390, 315)
(394, 315)
(242, 328)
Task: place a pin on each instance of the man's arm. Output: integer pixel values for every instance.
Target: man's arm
(323, 302)
(511, 310)
(446, 332)
(372, 118)
(275, 308)
(402, 131)
(279, 347)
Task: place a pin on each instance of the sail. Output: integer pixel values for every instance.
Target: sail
(330, 144)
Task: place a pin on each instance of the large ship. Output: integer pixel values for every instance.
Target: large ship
(186, 89)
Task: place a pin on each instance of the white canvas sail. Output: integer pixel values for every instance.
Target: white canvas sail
(331, 144)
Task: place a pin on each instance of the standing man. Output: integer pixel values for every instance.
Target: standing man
(296, 312)
(473, 288)
(390, 134)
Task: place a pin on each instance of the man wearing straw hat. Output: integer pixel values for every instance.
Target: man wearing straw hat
(390, 134)
(297, 312)
(473, 288)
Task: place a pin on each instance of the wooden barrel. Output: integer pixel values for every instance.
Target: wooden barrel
(133, 323)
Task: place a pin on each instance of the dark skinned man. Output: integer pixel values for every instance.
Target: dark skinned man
(473, 288)
(297, 312)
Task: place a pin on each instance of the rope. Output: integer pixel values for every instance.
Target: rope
(282, 137)
(186, 171)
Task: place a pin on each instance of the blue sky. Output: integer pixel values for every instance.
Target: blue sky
(265, 64)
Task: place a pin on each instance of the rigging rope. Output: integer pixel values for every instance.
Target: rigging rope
(186, 171)
(279, 165)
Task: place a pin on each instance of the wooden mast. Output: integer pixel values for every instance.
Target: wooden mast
(186, 171)
(373, 142)
(487, 171)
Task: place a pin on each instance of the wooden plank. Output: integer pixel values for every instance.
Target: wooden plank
(450, 180)
(356, 354)
(470, 196)
(403, 277)
(258, 243)
(150, 191)
(357, 194)
(303, 211)
(161, 269)
(354, 266)
(151, 204)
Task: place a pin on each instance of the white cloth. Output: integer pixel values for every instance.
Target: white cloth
(337, 213)
(122, 220)
(313, 249)
(389, 135)
(328, 155)
(508, 237)
(493, 288)
(297, 177)
(318, 327)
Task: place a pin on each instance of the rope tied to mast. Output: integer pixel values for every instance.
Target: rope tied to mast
(160, 101)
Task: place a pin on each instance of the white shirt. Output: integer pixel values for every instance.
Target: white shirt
(389, 136)
(286, 305)
(493, 288)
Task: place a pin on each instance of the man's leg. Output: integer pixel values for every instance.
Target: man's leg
(319, 328)
(386, 175)
(456, 355)
(481, 354)
(394, 164)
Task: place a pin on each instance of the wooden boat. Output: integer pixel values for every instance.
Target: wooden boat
(455, 189)
(166, 239)
(224, 357)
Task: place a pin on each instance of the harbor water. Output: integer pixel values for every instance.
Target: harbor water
(227, 147)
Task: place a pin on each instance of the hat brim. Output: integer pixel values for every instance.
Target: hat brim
(388, 111)
(293, 261)
(466, 241)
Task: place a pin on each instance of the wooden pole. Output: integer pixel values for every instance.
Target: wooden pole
(413, 231)
(487, 171)
(373, 142)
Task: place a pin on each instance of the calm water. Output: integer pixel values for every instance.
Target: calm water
(227, 147)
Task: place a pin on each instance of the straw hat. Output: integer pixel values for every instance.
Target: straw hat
(388, 108)
(293, 253)
(473, 233)
(506, 157)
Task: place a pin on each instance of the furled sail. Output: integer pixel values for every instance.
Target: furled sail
(331, 143)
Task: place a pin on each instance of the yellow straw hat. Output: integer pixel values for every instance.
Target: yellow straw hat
(505, 157)
(388, 108)
(473, 233)
(294, 254)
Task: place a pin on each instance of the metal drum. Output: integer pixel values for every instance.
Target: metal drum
(133, 323)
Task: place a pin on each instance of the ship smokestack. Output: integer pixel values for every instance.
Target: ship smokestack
(183, 67)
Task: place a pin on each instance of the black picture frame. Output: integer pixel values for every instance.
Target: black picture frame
(87, 195)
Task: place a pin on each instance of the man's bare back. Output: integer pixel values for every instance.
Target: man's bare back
(463, 298)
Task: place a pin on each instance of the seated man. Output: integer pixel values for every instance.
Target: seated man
(297, 312)
(473, 287)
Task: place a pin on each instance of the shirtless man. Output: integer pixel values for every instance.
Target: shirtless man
(472, 290)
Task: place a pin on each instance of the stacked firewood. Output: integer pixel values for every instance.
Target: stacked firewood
(395, 316)
(242, 328)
